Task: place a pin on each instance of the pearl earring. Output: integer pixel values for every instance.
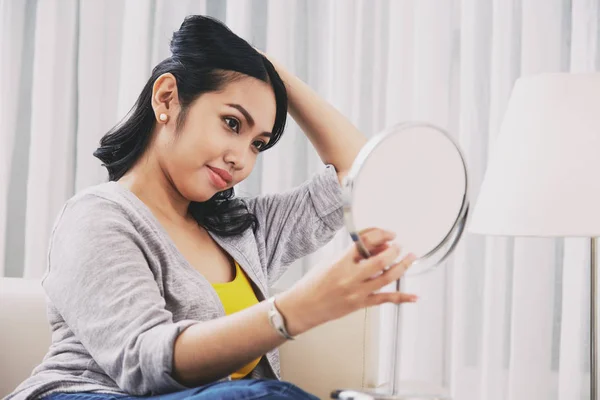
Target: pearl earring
(163, 117)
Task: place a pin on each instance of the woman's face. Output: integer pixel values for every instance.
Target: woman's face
(217, 146)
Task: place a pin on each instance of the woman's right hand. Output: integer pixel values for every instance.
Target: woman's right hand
(333, 291)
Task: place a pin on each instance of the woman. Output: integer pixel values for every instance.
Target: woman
(158, 280)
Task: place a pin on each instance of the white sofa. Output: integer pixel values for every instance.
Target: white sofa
(333, 356)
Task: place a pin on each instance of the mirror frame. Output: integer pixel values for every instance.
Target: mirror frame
(454, 234)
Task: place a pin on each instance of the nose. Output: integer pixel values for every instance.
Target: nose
(236, 157)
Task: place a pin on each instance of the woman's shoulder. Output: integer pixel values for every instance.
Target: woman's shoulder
(99, 219)
(101, 204)
(104, 196)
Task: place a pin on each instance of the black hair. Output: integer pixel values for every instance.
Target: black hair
(206, 55)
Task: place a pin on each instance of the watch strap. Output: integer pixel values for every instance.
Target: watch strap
(277, 321)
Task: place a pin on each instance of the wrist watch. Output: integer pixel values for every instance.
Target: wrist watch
(277, 321)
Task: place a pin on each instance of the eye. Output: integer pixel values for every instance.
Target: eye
(233, 124)
(259, 145)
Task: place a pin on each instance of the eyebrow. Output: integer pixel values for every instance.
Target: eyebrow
(248, 117)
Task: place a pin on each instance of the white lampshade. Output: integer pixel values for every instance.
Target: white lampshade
(543, 176)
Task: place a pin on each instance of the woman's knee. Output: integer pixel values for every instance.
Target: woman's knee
(274, 389)
(251, 389)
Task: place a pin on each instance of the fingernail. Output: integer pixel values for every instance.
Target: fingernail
(414, 299)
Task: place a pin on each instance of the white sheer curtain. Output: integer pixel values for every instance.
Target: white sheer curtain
(504, 319)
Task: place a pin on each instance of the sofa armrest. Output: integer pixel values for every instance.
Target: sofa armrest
(24, 333)
(336, 355)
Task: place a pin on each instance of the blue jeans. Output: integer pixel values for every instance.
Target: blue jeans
(245, 389)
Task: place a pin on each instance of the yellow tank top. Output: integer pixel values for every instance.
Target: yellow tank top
(236, 296)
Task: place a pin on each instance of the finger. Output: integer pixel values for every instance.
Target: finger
(372, 253)
(365, 231)
(380, 249)
(379, 263)
(394, 273)
(376, 299)
(375, 237)
(372, 239)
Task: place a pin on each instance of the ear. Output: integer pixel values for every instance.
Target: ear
(165, 98)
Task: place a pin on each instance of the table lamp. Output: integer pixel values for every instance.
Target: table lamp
(542, 176)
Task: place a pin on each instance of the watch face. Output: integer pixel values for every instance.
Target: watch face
(277, 320)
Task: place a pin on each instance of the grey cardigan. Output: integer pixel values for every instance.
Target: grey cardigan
(119, 292)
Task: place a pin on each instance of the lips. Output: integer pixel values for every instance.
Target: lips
(219, 177)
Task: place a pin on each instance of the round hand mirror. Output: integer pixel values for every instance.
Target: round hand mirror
(410, 179)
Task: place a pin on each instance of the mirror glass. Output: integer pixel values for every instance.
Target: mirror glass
(412, 180)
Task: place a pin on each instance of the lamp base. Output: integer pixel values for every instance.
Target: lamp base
(374, 395)
(404, 391)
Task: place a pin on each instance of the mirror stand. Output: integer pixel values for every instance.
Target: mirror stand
(412, 180)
